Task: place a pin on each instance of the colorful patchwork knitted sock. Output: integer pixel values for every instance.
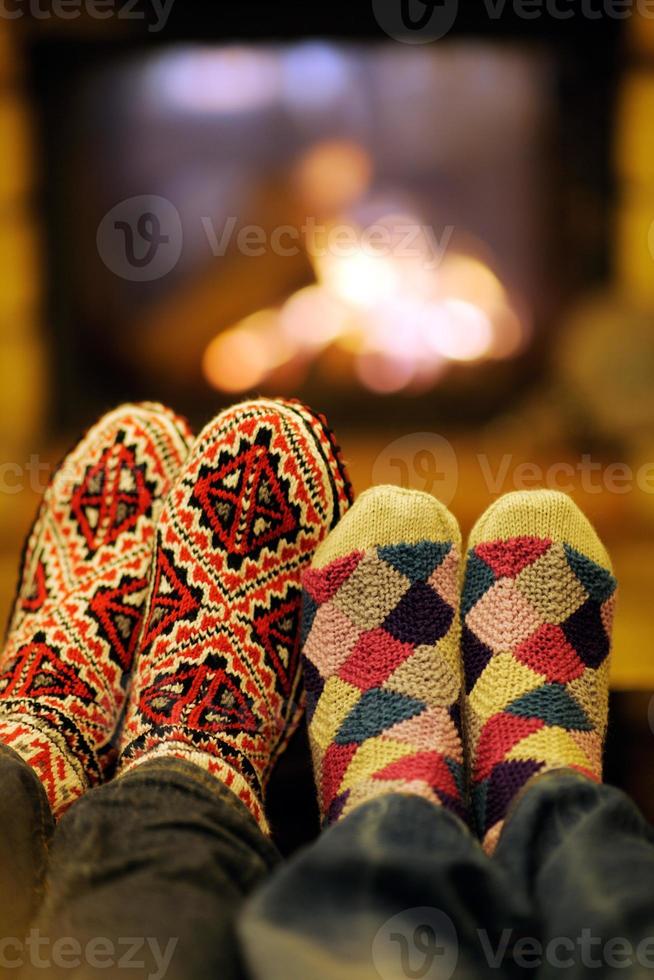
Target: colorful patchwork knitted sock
(382, 666)
(82, 588)
(537, 610)
(216, 678)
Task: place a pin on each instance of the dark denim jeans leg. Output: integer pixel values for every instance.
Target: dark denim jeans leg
(147, 875)
(26, 826)
(154, 870)
(399, 889)
(583, 855)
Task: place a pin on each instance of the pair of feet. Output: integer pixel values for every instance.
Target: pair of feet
(158, 614)
(158, 605)
(458, 681)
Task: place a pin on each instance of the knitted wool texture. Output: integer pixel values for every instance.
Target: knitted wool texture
(537, 610)
(381, 654)
(82, 588)
(217, 672)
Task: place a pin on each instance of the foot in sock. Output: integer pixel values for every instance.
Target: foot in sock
(81, 593)
(537, 610)
(382, 665)
(216, 676)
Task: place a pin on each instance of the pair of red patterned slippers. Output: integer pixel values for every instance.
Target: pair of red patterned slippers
(158, 606)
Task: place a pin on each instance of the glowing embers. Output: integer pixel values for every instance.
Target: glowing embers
(392, 299)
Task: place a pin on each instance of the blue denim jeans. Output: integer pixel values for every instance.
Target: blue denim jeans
(400, 889)
(165, 875)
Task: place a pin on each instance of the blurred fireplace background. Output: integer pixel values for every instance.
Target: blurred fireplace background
(443, 247)
(278, 160)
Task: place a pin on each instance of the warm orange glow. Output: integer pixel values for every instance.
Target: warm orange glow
(395, 328)
(235, 361)
(458, 331)
(463, 277)
(332, 175)
(509, 334)
(312, 317)
(240, 358)
(395, 319)
(383, 374)
(359, 278)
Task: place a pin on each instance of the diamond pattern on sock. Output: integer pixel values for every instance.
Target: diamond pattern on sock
(536, 615)
(172, 599)
(112, 497)
(82, 589)
(381, 662)
(217, 673)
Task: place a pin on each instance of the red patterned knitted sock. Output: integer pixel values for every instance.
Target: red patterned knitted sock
(77, 616)
(216, 678)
